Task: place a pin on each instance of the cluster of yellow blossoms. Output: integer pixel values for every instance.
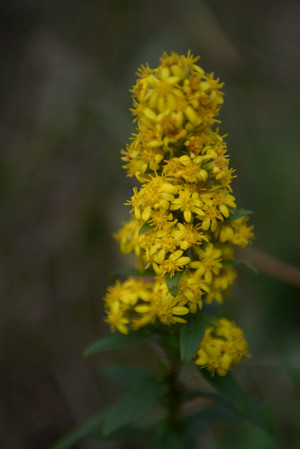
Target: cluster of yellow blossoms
(183, 226)
(222, 347)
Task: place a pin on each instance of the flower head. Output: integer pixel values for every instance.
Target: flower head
(182, 225)
(222, 347)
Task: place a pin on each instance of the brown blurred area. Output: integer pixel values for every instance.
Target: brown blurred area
(66, 68)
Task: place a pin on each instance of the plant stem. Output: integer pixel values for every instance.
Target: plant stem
(174, 395)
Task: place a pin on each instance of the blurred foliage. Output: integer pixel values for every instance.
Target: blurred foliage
(66, 68)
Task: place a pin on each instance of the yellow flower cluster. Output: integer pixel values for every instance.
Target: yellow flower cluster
(222, 347)
(182, 225)
(139, 303)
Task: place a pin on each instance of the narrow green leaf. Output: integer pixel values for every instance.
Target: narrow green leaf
(238, 213)
(146, 227)
(82, 432)
(216, 414)
(190, 336)
(131, 271)
(172, 282)
(236, 263)
(230, 389)
(133, 404)
(115, 340)
(120, 434)
(250, 267)
(124, 271)
(215, 397)
(233, 263)
(202, 421)
(127, 375)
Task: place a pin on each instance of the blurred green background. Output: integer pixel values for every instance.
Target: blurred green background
(66, 68)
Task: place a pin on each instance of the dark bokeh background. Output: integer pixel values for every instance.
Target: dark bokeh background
(66, 67)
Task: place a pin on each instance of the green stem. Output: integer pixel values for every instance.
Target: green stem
(175, 389)
(174, 400)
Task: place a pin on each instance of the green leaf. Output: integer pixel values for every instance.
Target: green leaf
(236, 263)
(233, 263)
(172, 282)
(131, 271)
(133, 404)
(215, 414)
(230, 389)
(120, 434)
(115, 340)
(215, 397)
(202, 421)
(124, 271)
(146, 227)
(82, 432)
(173, 439)
(250, 267)
(238, 213)
(260, 417)
(127, 375)
(190, 336)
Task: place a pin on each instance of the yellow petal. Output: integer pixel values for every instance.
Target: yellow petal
(149, 114)
(146, 213)
(179, 310)
(142, 309)
(224, 210)
(187, 215)
(205, 224)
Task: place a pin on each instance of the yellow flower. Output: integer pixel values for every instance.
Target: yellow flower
(128, 236)
(212, 216)
(141, 158)
(162, 89)
(221, 284)
(169, 127)
(175, 262)
(188, 235)
(121, 300)
(155, 195)
(208, 263)
(144, 71)
(192, 288)
(236, 232)
(116, 319)
(219, 198)
(222, 347)
(243, 234)
(162, 221)
(197, 143)
(163, 306)
(189, 203)
(185, 167)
